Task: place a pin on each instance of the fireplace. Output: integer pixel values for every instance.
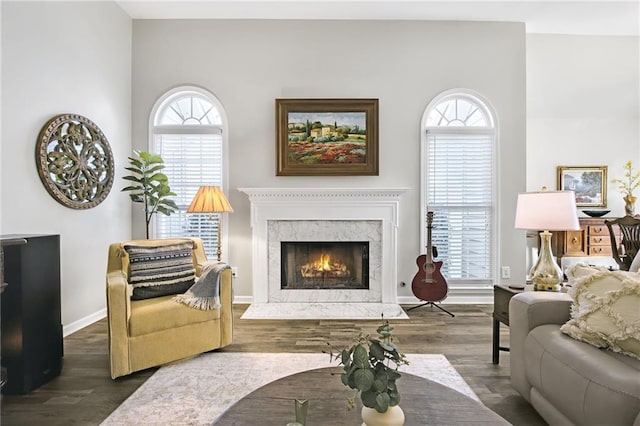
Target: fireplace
(303, 215)
(324, 265)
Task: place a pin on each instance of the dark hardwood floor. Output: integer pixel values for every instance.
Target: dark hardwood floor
(84, 393)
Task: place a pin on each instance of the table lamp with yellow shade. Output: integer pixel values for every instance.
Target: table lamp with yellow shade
(547, 211)
(211, 199)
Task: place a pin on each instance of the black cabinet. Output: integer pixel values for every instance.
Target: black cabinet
(30, 311)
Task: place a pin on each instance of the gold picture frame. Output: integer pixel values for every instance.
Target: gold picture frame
(327, 137)
(588, 182)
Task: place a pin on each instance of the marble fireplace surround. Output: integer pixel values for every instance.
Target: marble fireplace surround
(324, 214)
(324, 230)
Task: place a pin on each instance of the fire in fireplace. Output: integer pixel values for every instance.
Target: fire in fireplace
(334, 265)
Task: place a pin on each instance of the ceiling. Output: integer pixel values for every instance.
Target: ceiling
(549, 16)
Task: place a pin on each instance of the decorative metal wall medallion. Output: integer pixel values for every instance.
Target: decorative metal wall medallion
(74, 161)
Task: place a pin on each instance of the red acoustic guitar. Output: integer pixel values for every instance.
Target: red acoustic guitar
(429, 285)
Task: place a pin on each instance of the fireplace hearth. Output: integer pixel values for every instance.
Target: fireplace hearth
(324, 265)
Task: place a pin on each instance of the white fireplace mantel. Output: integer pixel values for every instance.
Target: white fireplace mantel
(315, 198)
(324, 204)
(333, 193)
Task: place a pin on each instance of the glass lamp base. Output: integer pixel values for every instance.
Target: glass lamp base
(546, 274)
(547, 287)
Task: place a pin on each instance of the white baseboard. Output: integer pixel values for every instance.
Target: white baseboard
(457, 296)
(452, 299)
(243, 300)
(83, 322)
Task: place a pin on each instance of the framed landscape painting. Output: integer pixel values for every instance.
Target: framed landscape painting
(327, 137)
(589, 184)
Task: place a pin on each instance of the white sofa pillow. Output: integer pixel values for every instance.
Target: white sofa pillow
(606, 309)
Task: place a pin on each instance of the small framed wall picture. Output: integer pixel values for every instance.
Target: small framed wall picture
(327, 137)
(588, 182)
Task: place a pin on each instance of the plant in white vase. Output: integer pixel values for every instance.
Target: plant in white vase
(370, 367)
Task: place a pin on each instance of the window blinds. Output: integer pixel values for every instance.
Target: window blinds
(191, 160)
(460, 193)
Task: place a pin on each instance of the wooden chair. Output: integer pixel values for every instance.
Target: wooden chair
(626, 247)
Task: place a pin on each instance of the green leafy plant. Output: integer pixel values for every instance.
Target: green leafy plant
(371, 368)
(150, 187)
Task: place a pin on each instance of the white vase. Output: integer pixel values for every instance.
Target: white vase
(394, 416)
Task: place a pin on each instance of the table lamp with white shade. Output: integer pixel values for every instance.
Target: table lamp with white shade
(547, 211)
(211, 199)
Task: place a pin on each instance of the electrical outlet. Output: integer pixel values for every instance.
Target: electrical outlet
(234, 271)
(505, 272)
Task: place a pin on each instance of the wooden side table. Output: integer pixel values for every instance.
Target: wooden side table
(502, 294)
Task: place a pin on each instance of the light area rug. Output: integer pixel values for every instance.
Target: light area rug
(198, 390)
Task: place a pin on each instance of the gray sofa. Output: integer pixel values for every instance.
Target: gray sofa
(568, 382)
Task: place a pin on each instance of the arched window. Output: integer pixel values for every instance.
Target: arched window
(187, 128)
(459, 146)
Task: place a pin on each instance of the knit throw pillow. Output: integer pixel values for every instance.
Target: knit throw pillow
(160, 270)
(606, 309)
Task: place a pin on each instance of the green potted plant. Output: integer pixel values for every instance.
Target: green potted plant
(370, 367)
(150, 187)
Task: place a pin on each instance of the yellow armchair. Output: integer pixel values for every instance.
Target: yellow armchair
(151, 332)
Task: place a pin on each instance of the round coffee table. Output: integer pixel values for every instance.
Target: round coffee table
(424, 402)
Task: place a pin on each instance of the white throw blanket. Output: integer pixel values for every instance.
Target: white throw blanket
(205, 293)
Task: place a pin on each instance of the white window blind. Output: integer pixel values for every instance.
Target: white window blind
(190, 161)
(192, 150)
(460, 182)
(459, 187)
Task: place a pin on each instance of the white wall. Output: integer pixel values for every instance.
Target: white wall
(60, 57)
(248, 64)
(583, 107)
